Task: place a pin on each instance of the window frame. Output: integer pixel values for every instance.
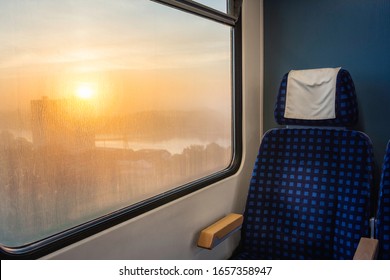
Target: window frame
(67, 237)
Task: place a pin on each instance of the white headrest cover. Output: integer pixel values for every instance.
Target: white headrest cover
(311, 94)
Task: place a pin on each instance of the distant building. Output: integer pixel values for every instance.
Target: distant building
(63, 124)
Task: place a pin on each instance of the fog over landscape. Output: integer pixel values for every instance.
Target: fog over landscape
(105, 104)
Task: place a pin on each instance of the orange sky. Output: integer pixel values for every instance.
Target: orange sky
(136, 55)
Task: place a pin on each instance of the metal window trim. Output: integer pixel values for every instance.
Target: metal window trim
(193, 7)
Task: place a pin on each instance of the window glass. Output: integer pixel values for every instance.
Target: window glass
(105, 104)
(220, 5)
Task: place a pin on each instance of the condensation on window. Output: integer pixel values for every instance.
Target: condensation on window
(105, 104)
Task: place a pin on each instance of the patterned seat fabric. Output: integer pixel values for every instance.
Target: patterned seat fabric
(310, 189)
(383, 216)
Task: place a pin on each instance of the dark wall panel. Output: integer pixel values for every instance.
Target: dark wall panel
(353, 34)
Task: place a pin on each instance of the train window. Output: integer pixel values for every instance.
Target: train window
(107, 107)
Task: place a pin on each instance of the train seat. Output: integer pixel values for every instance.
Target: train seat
(309, 195)
(383, 214)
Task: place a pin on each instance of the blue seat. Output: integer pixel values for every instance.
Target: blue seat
(383, 214)
(309, 195)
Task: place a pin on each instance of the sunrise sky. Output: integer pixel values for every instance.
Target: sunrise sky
(124, 55)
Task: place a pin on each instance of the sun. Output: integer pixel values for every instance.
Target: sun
(85, 91)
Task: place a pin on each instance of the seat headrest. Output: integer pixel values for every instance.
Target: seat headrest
(345, 110)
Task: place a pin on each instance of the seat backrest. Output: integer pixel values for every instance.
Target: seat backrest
(310, 188)
(383, 215)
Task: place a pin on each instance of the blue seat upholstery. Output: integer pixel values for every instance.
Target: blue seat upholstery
(310, 189)
(383, 216)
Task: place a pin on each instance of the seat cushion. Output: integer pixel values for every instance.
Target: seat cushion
(309, 195)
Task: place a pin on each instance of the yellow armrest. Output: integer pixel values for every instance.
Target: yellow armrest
(367, 249)
(214, 234)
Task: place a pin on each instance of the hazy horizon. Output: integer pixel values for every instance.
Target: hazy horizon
(105, 104)
(134, 55)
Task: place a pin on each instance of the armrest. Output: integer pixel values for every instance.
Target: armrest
(367, 249)
(220, 230)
